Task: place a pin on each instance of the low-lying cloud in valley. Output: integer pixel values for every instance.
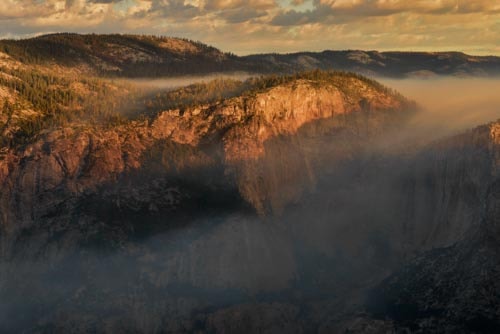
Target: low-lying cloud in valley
(176, 82)
(447, 106)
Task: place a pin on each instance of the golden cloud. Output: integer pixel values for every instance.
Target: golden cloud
(248, 26)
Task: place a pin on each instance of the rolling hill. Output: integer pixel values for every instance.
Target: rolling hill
(151, 56)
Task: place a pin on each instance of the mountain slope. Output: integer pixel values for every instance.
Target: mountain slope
(184, 208)
(121, 55)
(230, 135)
(150, 56)
(389, 64)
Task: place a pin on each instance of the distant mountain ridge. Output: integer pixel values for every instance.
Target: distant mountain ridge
(121, 55)
(152, 56)
(388, 64)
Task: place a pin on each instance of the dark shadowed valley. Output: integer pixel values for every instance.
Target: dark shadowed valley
(159, 185)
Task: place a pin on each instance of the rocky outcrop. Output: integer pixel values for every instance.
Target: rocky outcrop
(449, 187)
(451, 289)
(190, 204)
(70, 162)
(454, 287)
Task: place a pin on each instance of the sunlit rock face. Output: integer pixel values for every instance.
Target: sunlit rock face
(237, 138)
(192, 205)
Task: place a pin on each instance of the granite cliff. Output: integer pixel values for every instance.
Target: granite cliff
(209, 182)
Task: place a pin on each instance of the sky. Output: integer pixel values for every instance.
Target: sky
(257, 26)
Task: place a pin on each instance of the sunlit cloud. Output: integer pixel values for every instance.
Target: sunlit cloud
(247, 26)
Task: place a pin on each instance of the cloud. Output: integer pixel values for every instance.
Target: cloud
(239, 15)
(249, 26)
(388, 7)
(105, 1)
(177, 9)
(231, 4)
(343, 10)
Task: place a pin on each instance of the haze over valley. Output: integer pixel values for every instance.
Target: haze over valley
(159, 185)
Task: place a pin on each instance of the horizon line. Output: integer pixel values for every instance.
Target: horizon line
(385, 50)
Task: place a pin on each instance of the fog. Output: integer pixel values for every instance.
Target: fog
(450, 105)
(316, 259)
(177, 82)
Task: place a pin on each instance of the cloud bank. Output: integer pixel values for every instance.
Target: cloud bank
(251, 26)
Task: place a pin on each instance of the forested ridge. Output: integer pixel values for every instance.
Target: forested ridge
(121, 55)
(59, 79)
(118, 55)
(42, 101)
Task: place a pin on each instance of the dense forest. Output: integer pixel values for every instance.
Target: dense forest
(59, 100)
(220, 89)
(45, 101)
(122, 55)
